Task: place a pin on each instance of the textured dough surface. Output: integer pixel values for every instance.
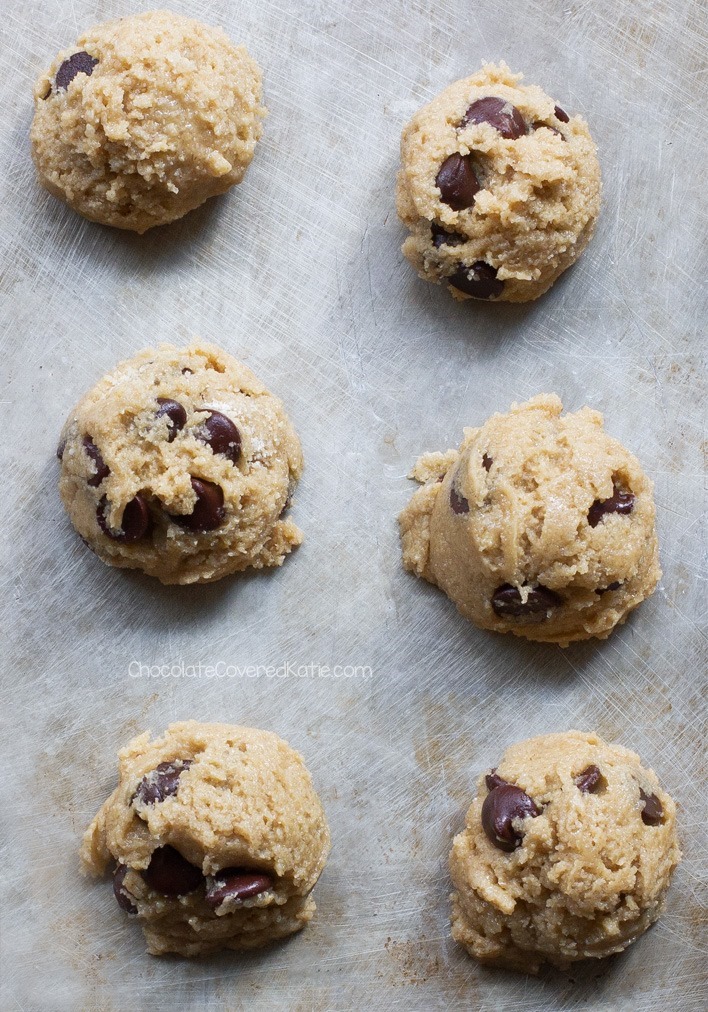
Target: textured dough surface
(120, 415)
(589, 877)
(527, 522)
(169, 117)
(247, 800)
(540, 195)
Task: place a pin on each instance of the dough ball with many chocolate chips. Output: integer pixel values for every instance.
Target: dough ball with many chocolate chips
(567, 853)
(145, 118)
(179, 462)
(499, 187)
(214, 836)
(540, 524)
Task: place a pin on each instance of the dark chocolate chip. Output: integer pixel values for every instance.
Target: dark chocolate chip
(441, 237)
(78, 63)
(134, 524)
(507, 603)
(162, 782)
(611, 586)
(457, 182)
(620, 502)
(547, 126)
(589, 780)
(493, 780)
(61, 448)
(236, 884)
(653, 811)
(500, 114)
(561, 114)
(486, 462)
(502, 806)
(479, 280)
(220, 433)
(458, 503)
(208, 512)
(171, 874)
(101, 468)
(175, 413)
(186, 371)
(123, 897)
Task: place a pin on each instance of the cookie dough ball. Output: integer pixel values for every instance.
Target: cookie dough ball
(145, 118)
(567, 853)
(182, 464)
(214, 836)
(540, 524)
(499, 187)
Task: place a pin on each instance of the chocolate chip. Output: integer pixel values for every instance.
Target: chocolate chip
(100, 467)
(177, 416)
(493, 780)
(457, 182)
(78, 63)
(61, 448)
(561, 115)
(162, 782)
(135, 521)
(236, 884)
(507, 602)
(208, 512)
(486, 462)
(123, 897)
(653, 811)
(458, 503)
(547, 126)
(589, 780)
(479, 280)
(620, 502)
(499, 113)
(220, 433)
(502, 806)
(186, 371)
(611, 586)
(171, 874)
(441, 237)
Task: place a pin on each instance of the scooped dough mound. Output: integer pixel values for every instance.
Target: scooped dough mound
(180, 462)
(214, 836)
(540, 524)
(567, 853)
(499, 187)
(145, 118)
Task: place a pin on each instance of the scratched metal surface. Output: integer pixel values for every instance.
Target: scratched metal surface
(299, 273)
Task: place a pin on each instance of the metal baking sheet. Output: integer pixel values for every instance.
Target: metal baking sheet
(298, 272)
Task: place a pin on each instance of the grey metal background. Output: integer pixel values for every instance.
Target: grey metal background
(298, 272)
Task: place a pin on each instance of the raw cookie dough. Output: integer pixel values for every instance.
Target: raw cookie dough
(499, 187)
(567, 854)
(145, 118)
(180, 463)
(215, 838)
(540, 524)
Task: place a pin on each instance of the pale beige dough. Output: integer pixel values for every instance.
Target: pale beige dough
(168, 116)
(148, 459)
(590, 875)
(245, 803)
(511, 512)
(539, 198)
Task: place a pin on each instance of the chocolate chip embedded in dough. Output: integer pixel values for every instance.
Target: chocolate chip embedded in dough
(457, 182)
(486, 462)
(78, 63)
(123, 897)
(208, 512)
(480, 280)
(458, 503)
(101, 469)
(502, 115)
(162, 782)
(493, 780)
(589, 780)
(441, 237)
(236, 884)
(507, 601)
(135, 522)
(561, 114)
(176, 415)
(501, 808)
(171, 874)
(653, 811)
(619, 502)
(220, 433)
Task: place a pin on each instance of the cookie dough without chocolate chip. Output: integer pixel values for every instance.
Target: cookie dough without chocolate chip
(145, 118)
(499, 187)
(181, 463)
(215, 837)
(540, 524)
(567, 853)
